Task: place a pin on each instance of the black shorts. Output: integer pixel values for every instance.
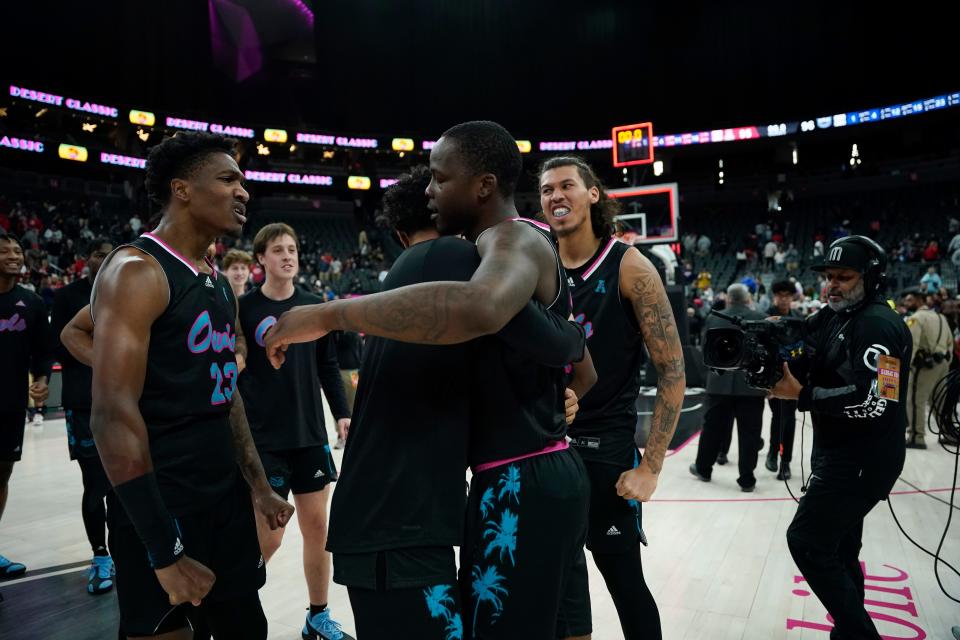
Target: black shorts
(413, 590)
(223, 538)
(525, 530)
(299, 470)
(12, 425)
(79, 436)
(616, 525)
(427, 613)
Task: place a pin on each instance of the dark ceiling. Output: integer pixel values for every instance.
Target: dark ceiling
(544, 70)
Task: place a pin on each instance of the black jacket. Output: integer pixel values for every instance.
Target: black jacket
(730, 383)
(858, 417)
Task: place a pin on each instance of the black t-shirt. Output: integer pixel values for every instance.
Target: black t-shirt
(607, 420)
(77, 377)
(190, 380)
(518, 405)
(24, 343)
(402, 479)
(349, 349)
(283, 405)
(852, 418)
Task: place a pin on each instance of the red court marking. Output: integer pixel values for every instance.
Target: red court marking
(682, 445)
(893, 493)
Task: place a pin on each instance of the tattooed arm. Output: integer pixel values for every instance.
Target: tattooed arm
(274, 509)
(516, 263)
(641, 285)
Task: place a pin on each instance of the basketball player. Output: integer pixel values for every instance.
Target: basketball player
(167, 419)
(286, 415)
(619, 298)
(393, 539)
(527, 510)
(77, 378)
(24, 343)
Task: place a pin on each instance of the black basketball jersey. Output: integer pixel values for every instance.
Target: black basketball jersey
(190, 381)
(283, 406)
(605, 425)
(519, 406)
(24, 343)
(401, 481)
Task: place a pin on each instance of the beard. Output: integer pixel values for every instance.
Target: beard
(849, 299)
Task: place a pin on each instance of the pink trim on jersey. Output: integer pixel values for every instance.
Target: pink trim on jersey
(559, 445)
(542, 225)
(599, 260)
(172, 251)
(213, 266)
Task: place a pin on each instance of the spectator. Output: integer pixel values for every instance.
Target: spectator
(818, 249)
(792, 259)
(932, 252)
(741, 259)
(931, 282)
(779, 259)
(769, 251)
(136, 224)
(703, 245)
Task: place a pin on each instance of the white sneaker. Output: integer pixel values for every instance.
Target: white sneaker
(38, 420)
(340, 443)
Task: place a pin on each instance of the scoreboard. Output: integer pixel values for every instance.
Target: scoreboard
(632, 144)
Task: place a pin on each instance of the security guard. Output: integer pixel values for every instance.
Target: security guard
(860, 352)
(932, 352)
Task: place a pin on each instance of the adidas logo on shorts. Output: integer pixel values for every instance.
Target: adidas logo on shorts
(319, 473)
(209, 282)
(260, 564)
(613, 531)
(177, 547)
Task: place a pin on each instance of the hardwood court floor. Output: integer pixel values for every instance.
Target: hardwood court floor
(717, 562)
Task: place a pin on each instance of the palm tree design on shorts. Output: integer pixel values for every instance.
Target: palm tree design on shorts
(439, 603)
(504, 534)
(509, 484)
(486, 503)
(487, 588)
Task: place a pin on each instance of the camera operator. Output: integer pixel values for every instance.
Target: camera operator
(729, 397)
(858, 373)
(932, 352)
(784, 421)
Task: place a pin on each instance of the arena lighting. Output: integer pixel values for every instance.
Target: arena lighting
(199, 125)
(579, 145)
(263, 150)
(21, 145)
(795, 156)
(402, 144)
(72, 152)
(658, 168)
(289, 178)
(386, 183)
(358, 183)
(275, 135)
(338, 141)
(144, 118)
(525, 146)
(428, 144)
(123, 161)
(89, 126)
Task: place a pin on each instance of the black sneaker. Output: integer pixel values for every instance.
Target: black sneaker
(748, 489)
(722, 458)
(913, 444)
(784, 473)
(771, 463)
(700, 476)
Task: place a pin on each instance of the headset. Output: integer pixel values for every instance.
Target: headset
(875, 275)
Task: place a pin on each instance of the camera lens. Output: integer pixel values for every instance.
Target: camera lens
(724, 348)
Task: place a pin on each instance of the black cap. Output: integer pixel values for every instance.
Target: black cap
(846, 253)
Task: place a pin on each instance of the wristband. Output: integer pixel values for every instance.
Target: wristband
(157, 529)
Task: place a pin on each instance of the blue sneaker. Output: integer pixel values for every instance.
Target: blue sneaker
(100, 575)
(10, 569)
(321, 627)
